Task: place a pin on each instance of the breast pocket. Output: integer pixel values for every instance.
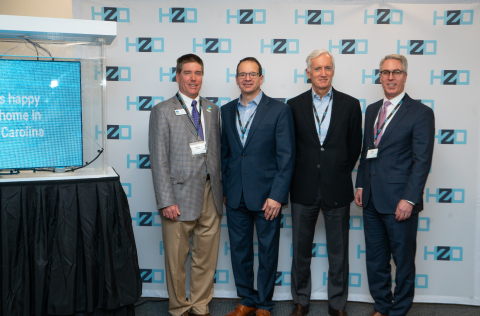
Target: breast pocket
(266, 127)
(177, 180)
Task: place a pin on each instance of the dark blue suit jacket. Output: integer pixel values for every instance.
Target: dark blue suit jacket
(404, 157)
(263, 168)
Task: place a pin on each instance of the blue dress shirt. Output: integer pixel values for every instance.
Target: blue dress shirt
(245, 112)
(320, 105)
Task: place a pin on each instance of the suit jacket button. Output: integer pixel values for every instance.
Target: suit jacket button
(322, 149)
(243, 155)
(318, 166)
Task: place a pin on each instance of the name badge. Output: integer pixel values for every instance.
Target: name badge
(198, 148)
(372, 153)
(180, 112)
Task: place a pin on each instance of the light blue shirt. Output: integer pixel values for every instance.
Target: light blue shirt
(245, 112)
(320, 105)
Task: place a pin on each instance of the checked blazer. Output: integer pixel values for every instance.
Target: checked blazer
(178, 177)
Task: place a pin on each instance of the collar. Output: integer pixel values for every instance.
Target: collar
(257, 99)
(395, 100)
(325, 96)
(187, 100)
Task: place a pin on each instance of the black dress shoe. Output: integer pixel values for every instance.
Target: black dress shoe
(337, 312)
(300, 310)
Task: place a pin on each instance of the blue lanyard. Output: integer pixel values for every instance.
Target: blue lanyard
(188, 113)
(324, 114)
(386, 120)
(242, 129)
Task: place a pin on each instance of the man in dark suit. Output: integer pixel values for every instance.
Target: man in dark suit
(394, 165)
(328, 136)
(258, 152)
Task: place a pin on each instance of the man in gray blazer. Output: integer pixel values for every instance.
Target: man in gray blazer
(184, 144)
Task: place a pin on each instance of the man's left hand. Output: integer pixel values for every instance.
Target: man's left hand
(404, 210)
(271, 208)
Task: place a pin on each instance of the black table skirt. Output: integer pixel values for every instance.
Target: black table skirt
(67, 248)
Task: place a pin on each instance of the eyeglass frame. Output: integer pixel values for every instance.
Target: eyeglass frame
(395, 73)
(252, 75)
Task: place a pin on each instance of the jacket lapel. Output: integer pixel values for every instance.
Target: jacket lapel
(369, 128)
(337, 109)
(207, 117)
(233, 122)
(262, 109)
(395, 119)
(307, 111)
(186, 119)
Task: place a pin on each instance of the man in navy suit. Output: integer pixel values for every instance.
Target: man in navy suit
(258, 152)
(394, 165)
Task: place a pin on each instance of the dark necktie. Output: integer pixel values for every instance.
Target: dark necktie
(196, 119)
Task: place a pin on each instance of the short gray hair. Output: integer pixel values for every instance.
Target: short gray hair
(399, 57)
(317, 53)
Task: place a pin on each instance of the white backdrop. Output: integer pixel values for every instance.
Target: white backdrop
(441, 42)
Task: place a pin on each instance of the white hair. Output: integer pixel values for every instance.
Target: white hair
(317, 53)
(401, 58)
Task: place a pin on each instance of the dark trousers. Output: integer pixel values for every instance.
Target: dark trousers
(240, 223)
(384, 237)
(337, 225)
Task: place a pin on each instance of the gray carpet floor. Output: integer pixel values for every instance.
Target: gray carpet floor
(220, 307)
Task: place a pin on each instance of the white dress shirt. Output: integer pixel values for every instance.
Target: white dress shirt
(390, 108)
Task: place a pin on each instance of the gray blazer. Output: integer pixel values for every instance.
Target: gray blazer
(179, 178)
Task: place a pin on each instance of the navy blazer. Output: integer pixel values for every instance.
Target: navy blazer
(263, 168)
(404, 157)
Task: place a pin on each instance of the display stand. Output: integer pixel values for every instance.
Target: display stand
(66, 239)
(46, 39)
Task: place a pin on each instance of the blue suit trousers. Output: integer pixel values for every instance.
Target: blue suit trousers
(384, 237)
(241, 222)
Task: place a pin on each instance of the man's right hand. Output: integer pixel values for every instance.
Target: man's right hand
(358, 197)
(171, 212)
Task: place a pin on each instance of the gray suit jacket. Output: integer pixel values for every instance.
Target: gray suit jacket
(179, 178)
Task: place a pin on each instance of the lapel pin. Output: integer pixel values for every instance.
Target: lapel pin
(209, 109)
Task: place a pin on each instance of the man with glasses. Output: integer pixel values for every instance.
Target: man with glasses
(258, 152)
(328, 132)
(184, 143)
(394, 165)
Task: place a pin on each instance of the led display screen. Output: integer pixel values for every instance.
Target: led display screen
(40, 114)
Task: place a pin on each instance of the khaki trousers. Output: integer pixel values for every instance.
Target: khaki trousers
(205, 233)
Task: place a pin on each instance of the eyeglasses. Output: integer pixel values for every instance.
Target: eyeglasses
(396, 73)
(252, 75)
